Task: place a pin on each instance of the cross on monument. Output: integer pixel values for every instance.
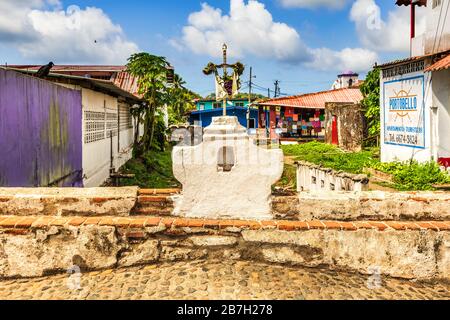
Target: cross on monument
(227, 83)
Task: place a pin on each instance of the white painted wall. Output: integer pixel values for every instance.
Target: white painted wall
(441, 101)
(391, 152)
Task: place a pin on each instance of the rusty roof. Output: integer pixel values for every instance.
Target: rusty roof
(420, 3)
(442, 64)
(317, 100)
(116, 74)
(105, 86)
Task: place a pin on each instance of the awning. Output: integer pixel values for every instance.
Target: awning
(440, 65)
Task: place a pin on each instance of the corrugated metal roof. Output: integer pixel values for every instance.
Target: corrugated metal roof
(116, 74)
(95, 84)
(317, 100)
(69, 68)
(411, 59)
(440, 65)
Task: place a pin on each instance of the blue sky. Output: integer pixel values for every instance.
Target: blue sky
(302, 43)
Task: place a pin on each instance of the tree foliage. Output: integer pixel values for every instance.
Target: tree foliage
(181, 101)
(371, 102)
(151, 72)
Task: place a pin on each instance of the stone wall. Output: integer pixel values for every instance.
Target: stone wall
(31, 247)
(350, 125)
(311, 177)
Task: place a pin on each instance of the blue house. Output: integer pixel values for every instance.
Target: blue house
(207, 109)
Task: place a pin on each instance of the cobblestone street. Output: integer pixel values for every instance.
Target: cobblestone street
(218, 280)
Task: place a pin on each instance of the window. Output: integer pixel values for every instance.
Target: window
(239, 104)
(436, 3)
(201, 106)
(252, 123)
(94, 126)
(217, 105)
(125, 118)
(111, 124)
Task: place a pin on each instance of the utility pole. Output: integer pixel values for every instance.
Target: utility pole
(250, 84)
(268, 93)
(277, 88)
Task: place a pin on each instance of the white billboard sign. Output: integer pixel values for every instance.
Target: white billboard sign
(404, 112)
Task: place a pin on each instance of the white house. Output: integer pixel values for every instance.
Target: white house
(415, 92)
(108, 128)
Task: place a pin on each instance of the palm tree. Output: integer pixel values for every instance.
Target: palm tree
(151, 72)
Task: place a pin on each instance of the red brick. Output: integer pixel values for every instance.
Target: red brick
(59, 221)
(427, 225)
(269, 224)
(151, 199)
(332, 225)
(167, 222)
(106, 221)
(211, 223)
(195, 223)
(122, 222)
(316, 225)
(289, 225)
(442, 226)
(76, 221)
(42, 222)
(378, 225)
(411, 226)
(158, 191)
(396, 225)
(362, 225)
(138, 222)
(180, 223)
(10, 222)
(348, 226)
(152, 222)
(92, 221)
(17, 232)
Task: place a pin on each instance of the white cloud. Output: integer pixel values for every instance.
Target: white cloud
(390, 35)
(355, 59)
(42, 30)
(249, 29)
(332, 4)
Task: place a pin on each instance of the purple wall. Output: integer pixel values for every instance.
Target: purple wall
(40, 133)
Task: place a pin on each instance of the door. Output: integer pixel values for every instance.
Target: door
(334, 132)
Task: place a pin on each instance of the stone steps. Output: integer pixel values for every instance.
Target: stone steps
(152, 202)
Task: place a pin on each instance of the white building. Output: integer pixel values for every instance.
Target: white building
(108, 128)
(346, 80)
(415, 93)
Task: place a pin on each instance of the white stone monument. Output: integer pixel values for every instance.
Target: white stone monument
(227, 175)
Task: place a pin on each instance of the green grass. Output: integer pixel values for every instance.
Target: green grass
(289, 179)
(330, 156)
(153, 170)
(412, 176)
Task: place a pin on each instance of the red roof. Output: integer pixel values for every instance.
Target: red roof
(440, 65)
(317, 100)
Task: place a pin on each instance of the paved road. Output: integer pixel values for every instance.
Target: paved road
(218, 280)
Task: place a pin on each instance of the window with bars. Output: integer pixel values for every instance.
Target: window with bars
(94, 123)
(125, 118)
(404, 69)
(111, 124)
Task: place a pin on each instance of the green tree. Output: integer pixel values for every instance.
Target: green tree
(371, 102)
(181, 101)
(151, 72)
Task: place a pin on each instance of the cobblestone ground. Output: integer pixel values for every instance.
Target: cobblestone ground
(218, 280)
